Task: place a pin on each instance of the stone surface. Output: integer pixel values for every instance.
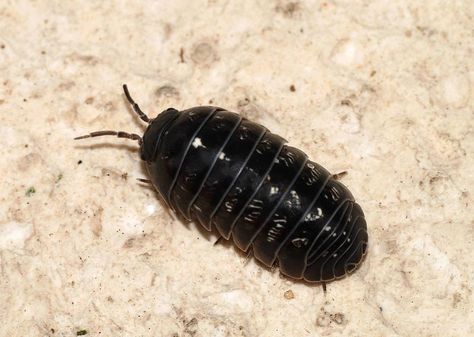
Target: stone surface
(382, 89)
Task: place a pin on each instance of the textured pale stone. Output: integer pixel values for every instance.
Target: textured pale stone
(454, 90)
(381, 89)
(13, 235)
(348, 53)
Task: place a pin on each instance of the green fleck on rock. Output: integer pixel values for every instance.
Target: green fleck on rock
(30, 191)
(81, 333)
(58, 179)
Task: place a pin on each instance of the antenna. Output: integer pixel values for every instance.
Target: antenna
(122, 134)
(135, 106)
(119, 134)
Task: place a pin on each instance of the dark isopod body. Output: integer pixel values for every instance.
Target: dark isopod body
(219, 169)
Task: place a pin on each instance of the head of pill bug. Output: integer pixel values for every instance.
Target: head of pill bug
(154, 133)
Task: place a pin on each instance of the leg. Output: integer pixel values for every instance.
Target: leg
(249, 255)
(145, 181)
(219, 240)
(339, 175)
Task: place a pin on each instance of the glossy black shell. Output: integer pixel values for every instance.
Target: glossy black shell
(219, 169)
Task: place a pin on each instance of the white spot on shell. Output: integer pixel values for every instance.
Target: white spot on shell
(223, 157)
(273, 190)
(299, 242)
(197, 142)
(314, 216)
(320, 212)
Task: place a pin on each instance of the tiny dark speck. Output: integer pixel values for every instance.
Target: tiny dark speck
(346, 102)
(292, 88)
(81, 333)
(2, 46)
(381, 309)
(79, 162)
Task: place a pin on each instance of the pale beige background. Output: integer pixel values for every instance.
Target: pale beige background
(382, 89)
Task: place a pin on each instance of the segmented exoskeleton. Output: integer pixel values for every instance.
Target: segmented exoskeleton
(220, 169)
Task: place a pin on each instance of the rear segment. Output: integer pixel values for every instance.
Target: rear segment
(321, 245)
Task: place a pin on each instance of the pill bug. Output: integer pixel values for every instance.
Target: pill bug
(219, 169)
